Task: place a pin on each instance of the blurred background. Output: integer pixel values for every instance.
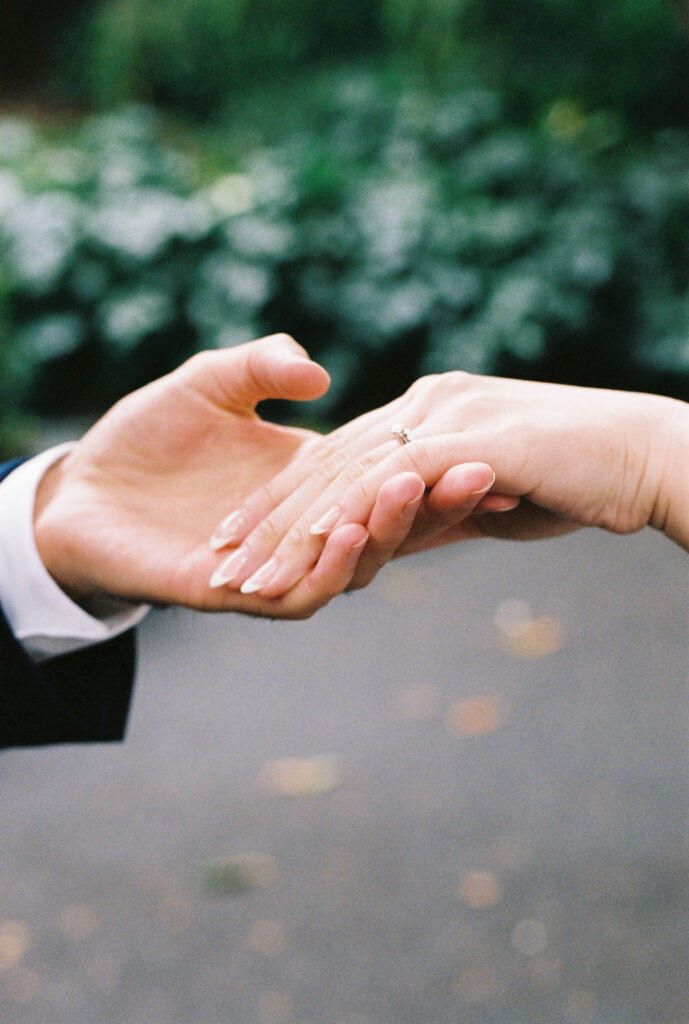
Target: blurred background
(404, 185)
(458, 797)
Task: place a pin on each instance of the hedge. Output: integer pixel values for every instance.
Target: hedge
(394, 234)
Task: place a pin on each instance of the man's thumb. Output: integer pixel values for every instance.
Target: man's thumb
(273, 367)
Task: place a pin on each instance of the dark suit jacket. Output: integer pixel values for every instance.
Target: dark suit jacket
(74, 698)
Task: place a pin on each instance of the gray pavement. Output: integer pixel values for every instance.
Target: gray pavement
(487, 823)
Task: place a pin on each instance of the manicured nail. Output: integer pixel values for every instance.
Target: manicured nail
(260, 578)
(409, 510)
(229, 530)
(230, 568)
(507, 507)
(327, 521)
(484, 487)
(355, 551)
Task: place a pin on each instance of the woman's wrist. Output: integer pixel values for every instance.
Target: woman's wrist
(671, 509)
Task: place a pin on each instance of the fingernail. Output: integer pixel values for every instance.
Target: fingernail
(230, 568)
(327, 521)
(485, 487)
(507, 508)
(409, 510)
(229, 530)
(355, 550)
(260, 578)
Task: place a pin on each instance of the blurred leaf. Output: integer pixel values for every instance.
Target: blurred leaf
(476, 716)
(234, 876)
(301, 776)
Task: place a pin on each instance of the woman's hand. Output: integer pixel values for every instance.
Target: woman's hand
(574, 456)
(129, 511)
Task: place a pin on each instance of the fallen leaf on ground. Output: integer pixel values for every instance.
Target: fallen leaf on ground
(524, 635)
(476, 716)
(301, 776)
(480, 889)
(15, 940)
(233, 876)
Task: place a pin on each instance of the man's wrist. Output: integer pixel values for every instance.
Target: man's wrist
(50, 540)
(39, 612)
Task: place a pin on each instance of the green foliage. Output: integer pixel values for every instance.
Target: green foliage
(194, 54)
(393, 234)
(627, 55)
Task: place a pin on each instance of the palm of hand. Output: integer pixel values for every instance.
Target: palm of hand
(148, 483)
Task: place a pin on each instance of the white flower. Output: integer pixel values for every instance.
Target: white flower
(392, 216)
(128, 318)
(43, 231)
(16, 138)
(232, 194)
(141, 223)
(52, 336)
(254, 237)
(10, 191)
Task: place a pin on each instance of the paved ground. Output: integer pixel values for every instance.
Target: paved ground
(487, 824)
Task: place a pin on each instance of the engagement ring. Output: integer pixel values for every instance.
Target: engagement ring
(401, 433)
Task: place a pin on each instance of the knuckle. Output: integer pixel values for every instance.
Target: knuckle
(282, 338)
(453, 383)
(267, 534)
(333, 462)
(255, 366)
(315, 452)
(199, 363)
(417, 459)
(422, 385)
(299, 536)
(352, 472)
(358, 467)
(436, 387)
(268, 497)
(358, 490)
(367, 460)
(459, 378)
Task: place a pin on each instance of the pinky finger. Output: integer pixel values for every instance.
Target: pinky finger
(394, 511)
(330, 576)
(450, 492)
(498, 503)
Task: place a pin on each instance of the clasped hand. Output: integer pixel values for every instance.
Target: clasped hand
(130, 510)
(182, 494)
(551, 458)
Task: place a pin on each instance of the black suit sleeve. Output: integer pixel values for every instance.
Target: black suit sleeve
(79, 697)
(74, 698)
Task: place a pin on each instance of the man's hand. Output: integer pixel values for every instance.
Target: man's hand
(130, 510)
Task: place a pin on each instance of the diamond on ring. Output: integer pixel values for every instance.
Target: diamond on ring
(401, 433)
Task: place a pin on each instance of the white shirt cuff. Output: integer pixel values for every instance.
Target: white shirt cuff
(40, 614)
